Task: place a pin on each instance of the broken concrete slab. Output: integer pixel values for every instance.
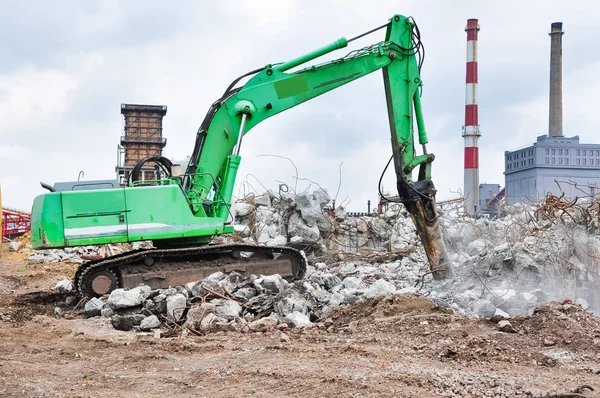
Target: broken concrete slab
(123, 298)
(93, 307)
(228, 309)
(263, 324)
(176, 305)
(298, 319)
(291, 301)
(149, 323)
(270, 284)
(64, 286)
(262, 200)
(243, 209)
(379, 288)
(245, 293)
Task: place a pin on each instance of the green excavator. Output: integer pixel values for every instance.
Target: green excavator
(182, 214)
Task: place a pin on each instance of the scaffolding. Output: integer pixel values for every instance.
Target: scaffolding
(142, 137)
(14, 223)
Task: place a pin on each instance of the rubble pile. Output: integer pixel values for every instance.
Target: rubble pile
(78, 255)
(518, 262)
(503, 267)
(232, 302)
(526, 258)
(303, 221)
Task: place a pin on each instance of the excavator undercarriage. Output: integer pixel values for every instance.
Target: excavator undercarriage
(161, 268)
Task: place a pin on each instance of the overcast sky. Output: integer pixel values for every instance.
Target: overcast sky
(67, 66)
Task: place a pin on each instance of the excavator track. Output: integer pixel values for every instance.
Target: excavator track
(161, 268)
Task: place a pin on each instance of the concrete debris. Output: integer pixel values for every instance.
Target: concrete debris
(93, 307)
(209, 322)
(262, 200)
(122, 298)
(310, 209)
(278, 240)
(245, 293)
(291, 301)
(228, 309)
(149, 323)
(380, 288)
(106, 312)
(232, 282)
(503, 268)
(271, 284)
(176, 305)
(243, 209)
(205, 287)
(64, 286)
(298, 319)
(81, 254)
(499, 315)
(14, 246)
(264, 324)
(506, 326)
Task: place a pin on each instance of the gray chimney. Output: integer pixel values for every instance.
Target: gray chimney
(555, 124)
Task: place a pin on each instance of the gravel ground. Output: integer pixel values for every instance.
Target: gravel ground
(385, 347)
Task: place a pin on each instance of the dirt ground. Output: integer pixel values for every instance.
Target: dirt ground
(400, 347)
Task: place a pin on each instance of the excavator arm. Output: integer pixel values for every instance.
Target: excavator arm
(272, 90)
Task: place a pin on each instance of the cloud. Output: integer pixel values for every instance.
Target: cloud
(64, 76)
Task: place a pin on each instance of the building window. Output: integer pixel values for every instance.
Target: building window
(553, 160)
(578, 152)
(547, 160)
(560, 151)
(547, 151)
(597, 152)
(584, 161)
(566, 160)
(559, 160)
(583, 152)
(566, 151)
(578, 161)
(597, 162)
(554, 151)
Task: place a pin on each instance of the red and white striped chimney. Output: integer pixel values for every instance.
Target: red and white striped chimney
(471, 127)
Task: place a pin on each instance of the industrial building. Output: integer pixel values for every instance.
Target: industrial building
(554, 163)
(142, 137)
